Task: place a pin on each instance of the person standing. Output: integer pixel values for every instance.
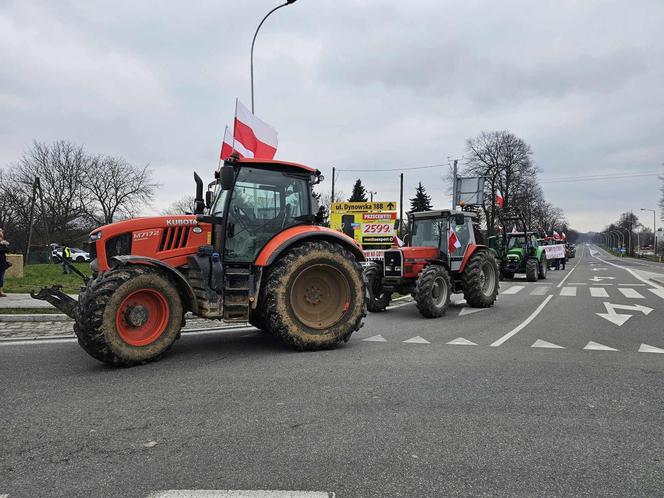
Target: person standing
(66, 256)
(4, 264)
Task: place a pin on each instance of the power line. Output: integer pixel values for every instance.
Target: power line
(394, 169)
(615, 176)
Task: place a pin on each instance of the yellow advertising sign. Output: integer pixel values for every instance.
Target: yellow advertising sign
(369, 223)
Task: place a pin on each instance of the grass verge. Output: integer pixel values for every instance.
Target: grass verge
(30, 311)
(37, 276)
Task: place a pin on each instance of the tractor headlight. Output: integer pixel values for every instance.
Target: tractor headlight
(95, 236)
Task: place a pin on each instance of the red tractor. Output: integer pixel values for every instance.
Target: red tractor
(433, 267)
(251, 252)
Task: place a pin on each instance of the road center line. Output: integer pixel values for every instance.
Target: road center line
(523, 324)
(583, 253)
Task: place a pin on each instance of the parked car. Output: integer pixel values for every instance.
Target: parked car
(77, 255)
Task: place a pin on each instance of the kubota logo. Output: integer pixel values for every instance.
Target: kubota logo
(180, 222)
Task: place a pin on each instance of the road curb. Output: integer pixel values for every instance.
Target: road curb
(36, 317)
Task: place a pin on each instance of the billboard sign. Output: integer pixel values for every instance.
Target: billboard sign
(369, 223)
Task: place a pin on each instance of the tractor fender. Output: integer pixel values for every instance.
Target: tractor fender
(472, 248)
(282, 241)
(180, 280)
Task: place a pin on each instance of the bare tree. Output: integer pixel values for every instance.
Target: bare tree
(115, 188)
(184, 205)
(661, 199)
(505, 161)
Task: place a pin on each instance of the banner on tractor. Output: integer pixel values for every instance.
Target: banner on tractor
(369, 223)
(555, 252)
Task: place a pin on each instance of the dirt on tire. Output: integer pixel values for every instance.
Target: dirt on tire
(96, 327)
(379, 299)
(321, 271)
(479, 280)
(433, 291)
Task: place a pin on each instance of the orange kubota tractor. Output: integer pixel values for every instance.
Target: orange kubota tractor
(251, 252)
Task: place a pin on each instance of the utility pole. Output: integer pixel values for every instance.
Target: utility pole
(333, 174)
(35, 185)
(454, 184)
(401, 205)
(371, 194)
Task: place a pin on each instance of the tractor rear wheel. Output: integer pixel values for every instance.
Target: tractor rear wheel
(432, 291)
(479, 280)
(315, 296)
(531, 270)
(543, 268)
(129, 316)
(379, 299)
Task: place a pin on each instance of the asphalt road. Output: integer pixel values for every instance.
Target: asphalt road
(379, 417)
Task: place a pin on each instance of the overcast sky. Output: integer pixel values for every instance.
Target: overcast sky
(348, 83)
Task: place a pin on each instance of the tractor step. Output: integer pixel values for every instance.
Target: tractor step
(237, 285)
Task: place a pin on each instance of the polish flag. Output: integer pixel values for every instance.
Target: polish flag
(499, 200)
(226, 145)
(556, 235)
(453, 242)
(253, 137)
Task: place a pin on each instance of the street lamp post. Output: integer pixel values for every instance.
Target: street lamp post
(654, 228)
(253, 42)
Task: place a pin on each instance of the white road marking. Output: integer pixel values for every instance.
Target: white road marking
(375, 338)
(619, 318)
(658, 292)
(513, 290)
(540, 291)
(631, 272)
(577, 283)
(644, 348)
(631, 293)
(568, 292)
(598, 292)
(583, 252)
(599, 279)
(417, 340)
(600, 269)
(634, 285)
(238, 493)
(460, 341)
(523, 324)
(539, 343)
(596, 346)
(469, 311)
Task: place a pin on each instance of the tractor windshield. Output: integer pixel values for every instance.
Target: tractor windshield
(263, 203)
(516, 241)
(429, 232)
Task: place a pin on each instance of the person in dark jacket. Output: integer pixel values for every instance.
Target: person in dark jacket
(4, 264)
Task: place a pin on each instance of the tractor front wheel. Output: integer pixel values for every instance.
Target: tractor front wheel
(314, 296)
(479, 280)
(531, 270)
(129, 316)
(379, 298)
(432, 291)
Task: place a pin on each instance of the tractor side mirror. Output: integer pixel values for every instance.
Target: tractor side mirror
(227, 177)
(208, 198)
(459, 219)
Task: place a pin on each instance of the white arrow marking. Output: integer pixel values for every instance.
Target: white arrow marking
(600, 269)
(615, 318)
(470, 311)
(596, 346)
(417, 340)
(599, 279)
(460, 341)
(376, 338)
(544, 344)
(650, 349)
(610, 307)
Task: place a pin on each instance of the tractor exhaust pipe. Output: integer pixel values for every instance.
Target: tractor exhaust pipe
(199, 202)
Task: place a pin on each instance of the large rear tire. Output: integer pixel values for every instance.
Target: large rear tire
(315, 296)
(379, 298)
(543, 268)
(479, 280)
(433, 291)
(129, 316)
(531, 270)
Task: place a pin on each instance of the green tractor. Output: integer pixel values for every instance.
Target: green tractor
(519, 252)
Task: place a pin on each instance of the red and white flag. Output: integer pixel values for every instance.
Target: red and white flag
(226, 145)
(252, 136)
(556, 235)
(453, 242)
(499, 200)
